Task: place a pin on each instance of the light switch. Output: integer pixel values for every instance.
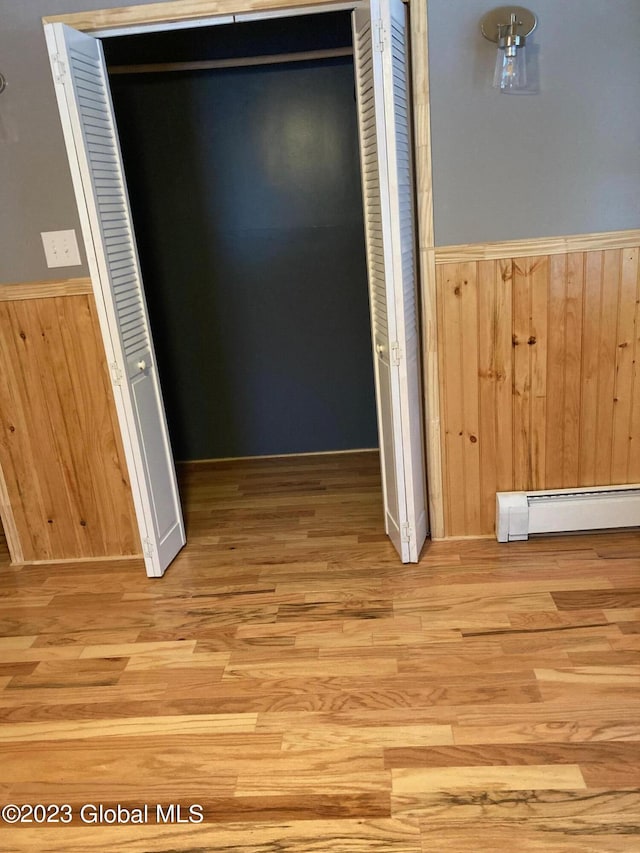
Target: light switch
(61, 248)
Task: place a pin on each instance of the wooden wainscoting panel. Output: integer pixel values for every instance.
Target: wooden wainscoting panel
(521, 297)
(631, 268)
(556, 354)
(495, 376)
(538, 362)
(610, 287)
(589, 438)
(487, 346)
(530, 309)
(537, 344)
(468, 301)
(570, 363)
(459, 368)
(60, 447)
(564, 369)
(625, 356)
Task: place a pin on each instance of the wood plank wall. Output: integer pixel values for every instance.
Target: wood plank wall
(539, 376)
(65, 491)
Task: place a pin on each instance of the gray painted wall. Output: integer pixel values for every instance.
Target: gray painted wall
(34, 175)
(563, 161)
(569, 154)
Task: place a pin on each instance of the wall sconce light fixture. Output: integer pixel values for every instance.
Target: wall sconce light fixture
(509, 27)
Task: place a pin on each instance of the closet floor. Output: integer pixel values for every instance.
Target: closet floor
(294, 685)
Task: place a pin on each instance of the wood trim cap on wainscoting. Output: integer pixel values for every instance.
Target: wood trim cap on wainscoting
(45, 289)
(596, 242)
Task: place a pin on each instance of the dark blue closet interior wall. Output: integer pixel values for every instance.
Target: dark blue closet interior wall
(245, 189)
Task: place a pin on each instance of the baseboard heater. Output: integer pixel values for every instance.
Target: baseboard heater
(518, 514)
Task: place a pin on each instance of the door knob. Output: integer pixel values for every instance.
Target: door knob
(142, 365)
(380, 349)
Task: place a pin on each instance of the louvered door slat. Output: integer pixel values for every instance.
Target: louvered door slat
(99, 182)
(385, 157)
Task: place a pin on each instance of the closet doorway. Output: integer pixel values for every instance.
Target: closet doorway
(382, 75)
(240, 148)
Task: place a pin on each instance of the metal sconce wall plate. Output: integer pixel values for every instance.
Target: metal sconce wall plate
(497, 20)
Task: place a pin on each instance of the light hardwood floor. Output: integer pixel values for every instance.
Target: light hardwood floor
(313, 694)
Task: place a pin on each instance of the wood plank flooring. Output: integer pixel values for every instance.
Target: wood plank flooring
(310, 693)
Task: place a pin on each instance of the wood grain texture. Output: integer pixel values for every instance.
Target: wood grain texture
(43, 289)
(508, 249)
(495, 382)
(60, 449)
(522, 439)
(538, 360)
(171, 11)
(312, 695)
(450, 283)
(10, 537)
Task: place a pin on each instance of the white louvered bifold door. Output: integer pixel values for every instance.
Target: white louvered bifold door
(88, 123)
(380, 38)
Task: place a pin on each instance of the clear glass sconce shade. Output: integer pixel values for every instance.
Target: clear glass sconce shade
(510, 73)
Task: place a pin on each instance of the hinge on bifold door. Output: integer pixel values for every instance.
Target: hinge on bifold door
(405, 532)
(59, 69)
(378, 37)
(396, 353)
(147, 547)
(116, 373)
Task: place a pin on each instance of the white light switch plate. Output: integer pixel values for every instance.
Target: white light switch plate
(61, 248)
